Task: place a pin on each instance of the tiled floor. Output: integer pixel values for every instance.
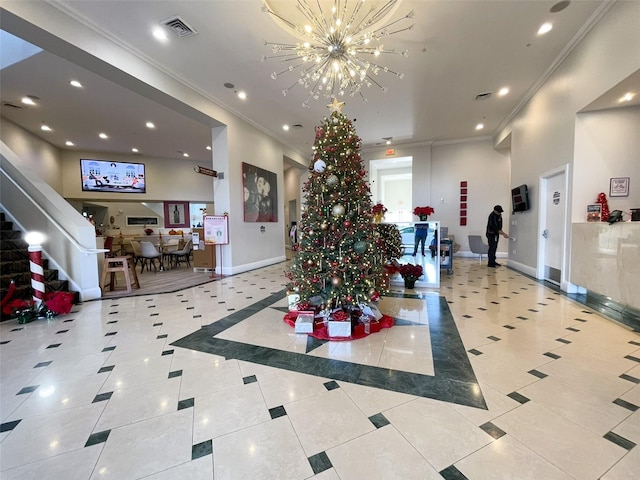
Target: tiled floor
(494, 376)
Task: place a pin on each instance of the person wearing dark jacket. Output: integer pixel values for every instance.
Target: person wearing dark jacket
(494, 230)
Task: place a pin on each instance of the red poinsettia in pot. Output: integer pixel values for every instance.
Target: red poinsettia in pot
(423, 212)
(410, 273)
(26, 311)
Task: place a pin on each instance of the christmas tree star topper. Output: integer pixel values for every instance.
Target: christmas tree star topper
(335, 106)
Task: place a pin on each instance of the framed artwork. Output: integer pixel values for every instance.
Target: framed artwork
(176, 214)
(260, 189)
(619, 187)
(140, 221)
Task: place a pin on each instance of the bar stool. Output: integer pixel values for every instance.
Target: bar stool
(119, 264)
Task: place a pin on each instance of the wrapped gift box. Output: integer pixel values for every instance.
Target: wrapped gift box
(339, 329)
(367, 328)
(304, 322)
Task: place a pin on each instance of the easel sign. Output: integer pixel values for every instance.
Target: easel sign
(216, 229)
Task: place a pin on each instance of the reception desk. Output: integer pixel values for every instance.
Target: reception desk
(605, 259)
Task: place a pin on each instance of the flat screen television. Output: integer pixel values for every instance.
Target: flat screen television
(108, 176)
(520, 199)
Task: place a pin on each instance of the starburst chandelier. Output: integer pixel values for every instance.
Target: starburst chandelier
(340, 47)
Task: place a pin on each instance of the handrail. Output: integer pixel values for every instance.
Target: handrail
(72, 240)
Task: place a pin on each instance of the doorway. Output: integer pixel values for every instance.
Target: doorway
(553, 226)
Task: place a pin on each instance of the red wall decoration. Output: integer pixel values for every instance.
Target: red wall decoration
(463, 203)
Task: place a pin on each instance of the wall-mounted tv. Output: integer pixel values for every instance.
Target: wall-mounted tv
(108, 176)
(520, 199)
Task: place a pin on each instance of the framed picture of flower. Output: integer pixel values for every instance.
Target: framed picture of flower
(619, 187)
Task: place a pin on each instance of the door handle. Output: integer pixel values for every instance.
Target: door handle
(545, 233)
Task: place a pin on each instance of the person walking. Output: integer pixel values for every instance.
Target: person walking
(494, 230)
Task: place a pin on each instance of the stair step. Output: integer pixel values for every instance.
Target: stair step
(19, 265)
(8, 227)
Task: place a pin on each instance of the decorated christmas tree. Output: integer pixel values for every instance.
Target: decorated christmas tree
(337, 263)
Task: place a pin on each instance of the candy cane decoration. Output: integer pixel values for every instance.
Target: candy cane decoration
(34, 239)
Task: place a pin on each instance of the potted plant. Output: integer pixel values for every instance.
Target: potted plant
(408, 271)
(378, 211)
(423, 212)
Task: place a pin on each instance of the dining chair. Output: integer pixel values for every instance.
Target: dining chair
(108, 245)
(137, 252)
(149, 254)
(178, 255)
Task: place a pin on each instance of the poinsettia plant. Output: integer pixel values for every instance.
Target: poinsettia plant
(423, 211)
(379, 209)
(406, 270)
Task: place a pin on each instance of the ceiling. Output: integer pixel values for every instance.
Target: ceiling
(457, 50)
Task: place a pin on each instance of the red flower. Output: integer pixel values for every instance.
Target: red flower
(379, 208)
(421, 211)
(409, 270)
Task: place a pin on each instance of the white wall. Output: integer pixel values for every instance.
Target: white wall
(33, 153)
(607, 145)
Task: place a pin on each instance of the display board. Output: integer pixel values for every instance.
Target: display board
(216, 229)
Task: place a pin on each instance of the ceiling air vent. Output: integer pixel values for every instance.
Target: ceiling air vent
(483, 96)
(178, 27)
(297, 125)
(11, 105)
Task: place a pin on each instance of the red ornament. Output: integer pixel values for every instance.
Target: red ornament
(347, 223)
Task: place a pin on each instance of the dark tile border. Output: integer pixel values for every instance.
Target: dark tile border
(454, 380)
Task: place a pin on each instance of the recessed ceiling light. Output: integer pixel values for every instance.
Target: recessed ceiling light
(503, 91)
(160, 34)
(45, 128)
(627, 97)
(388, 142)
(150, 125)
(285, 128)
(134, 150)
(479, 126)
(28, 100)
(545, 28)
(208, 147)
(69, 143)
(75, 83)
(185, 154)
(242, 95)
(103, 136)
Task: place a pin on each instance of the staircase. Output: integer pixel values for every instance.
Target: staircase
(14, 265)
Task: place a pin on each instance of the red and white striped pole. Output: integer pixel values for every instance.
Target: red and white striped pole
(35, 239)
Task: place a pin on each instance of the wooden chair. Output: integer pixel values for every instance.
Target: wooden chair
(111, 266)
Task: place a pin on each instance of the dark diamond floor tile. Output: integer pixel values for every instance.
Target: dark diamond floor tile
(162, 336)
(518, 397)
(167, 352)
(177, 373)
(624, 376)
(277, 412)
(537, 373)
(562, 340)
(250, 379)
(109, 349)
(108, 368)
(96, 438)
(30, 389)
(452, 473)
(620, 441)
(320, 462)
(493, 430)
(624, 404)
(54, 345)
(379, 420)
(8, 426)
(631, 357)
(188, 403)
(475, 351)
(202, 449)
(101, 397)
(552, 355)
(332, 385)
(495, 339)
(42, 364)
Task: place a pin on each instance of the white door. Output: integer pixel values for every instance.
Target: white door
(553, 226)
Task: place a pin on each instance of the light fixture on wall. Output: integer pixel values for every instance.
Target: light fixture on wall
(339, 52)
